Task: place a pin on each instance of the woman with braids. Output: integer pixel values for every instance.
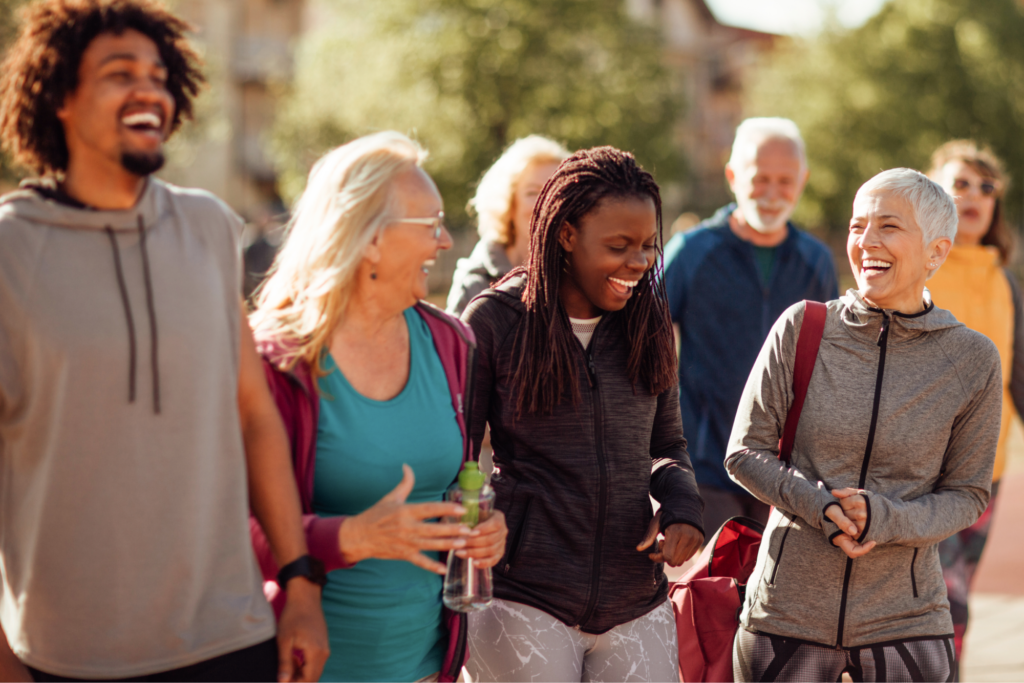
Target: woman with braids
(975, 286)
(576, 378)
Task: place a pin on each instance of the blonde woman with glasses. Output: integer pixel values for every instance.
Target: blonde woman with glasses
(503, 203)
(370, 381)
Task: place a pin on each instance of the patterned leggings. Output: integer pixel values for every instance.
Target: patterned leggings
(514, 642)
(764, 657)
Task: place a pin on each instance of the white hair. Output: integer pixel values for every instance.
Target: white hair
(934, 209)
(493, 199)
(752, 132)
(349, 199)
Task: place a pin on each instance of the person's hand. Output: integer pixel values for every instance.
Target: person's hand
(855, 506)
(302, 646)
(851, 547)
(486, 543)
(395, 530)
(845, 524)
(679, 543)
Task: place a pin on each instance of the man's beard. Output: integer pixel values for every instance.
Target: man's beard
(141, 164)
(754, 219)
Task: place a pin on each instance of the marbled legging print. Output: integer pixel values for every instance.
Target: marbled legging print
(514, 642)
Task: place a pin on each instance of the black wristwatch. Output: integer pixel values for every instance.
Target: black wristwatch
(307, 567)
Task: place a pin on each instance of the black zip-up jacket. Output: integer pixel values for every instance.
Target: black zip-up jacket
(575, 485)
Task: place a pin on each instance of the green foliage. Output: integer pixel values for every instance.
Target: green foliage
(467, 77)
(8, 32)
(888, 93)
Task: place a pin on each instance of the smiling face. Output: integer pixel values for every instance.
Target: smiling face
(524, 197)
(608, 253)
(121, 112)
(974, 208)
(768, 186)
(887, 252)
(404, 252)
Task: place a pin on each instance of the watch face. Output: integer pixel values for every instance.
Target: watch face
(318, 575)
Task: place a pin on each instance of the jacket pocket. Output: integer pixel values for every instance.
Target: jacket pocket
(913, 577)
(778, 555)
(516, 541)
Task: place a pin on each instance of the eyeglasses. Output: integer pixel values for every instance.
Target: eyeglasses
(986, 187)
(437, 223)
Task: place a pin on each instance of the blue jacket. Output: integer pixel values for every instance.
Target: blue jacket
(724, 313)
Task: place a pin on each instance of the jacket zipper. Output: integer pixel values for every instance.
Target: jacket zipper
(517, 537)
(883, 342)
(913, 579)
(778, 558)
(595, 571)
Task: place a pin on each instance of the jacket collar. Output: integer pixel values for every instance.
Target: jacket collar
(864, 320)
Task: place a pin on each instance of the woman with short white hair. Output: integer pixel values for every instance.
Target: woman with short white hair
(893, 453)
(503, 203)
(371, 383)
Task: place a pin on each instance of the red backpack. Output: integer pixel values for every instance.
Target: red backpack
(707, 599)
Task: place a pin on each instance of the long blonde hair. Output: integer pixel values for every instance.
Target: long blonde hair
(347, 202)
(493, 199)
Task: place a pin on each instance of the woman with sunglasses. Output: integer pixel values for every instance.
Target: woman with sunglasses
(371, 382)
(975, 286)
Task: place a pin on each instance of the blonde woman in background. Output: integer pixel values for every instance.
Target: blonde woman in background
(504, 204)
(975, 286)
(370, 382)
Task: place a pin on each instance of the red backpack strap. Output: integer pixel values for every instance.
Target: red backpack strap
(806, 354)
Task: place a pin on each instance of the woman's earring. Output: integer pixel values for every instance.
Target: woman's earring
(373, 274)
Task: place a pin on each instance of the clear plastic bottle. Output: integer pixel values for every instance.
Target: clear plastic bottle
(467, 587)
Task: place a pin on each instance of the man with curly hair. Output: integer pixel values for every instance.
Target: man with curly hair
(136, 426)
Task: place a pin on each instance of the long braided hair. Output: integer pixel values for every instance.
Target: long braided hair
(545, 346)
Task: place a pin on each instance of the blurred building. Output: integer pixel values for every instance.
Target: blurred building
(713, 60)
(248, 47)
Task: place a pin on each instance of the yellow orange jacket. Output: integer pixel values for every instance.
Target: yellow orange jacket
(985, 297)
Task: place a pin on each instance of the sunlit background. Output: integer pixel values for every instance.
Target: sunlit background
(872, 84)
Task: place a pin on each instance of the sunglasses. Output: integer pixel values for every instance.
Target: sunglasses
(437, 223)
(986, 187)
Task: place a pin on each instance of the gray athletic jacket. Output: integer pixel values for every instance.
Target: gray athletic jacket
(486, 265)
(904, 406)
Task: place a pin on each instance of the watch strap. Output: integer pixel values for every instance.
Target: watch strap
(307, 566)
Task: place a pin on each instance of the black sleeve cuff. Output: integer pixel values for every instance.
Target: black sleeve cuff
(832, 538)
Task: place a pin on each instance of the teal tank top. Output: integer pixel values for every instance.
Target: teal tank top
(384, 616)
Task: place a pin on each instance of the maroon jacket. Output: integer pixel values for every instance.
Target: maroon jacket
(299, 405)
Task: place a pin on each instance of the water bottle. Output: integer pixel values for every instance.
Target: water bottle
(467, 587)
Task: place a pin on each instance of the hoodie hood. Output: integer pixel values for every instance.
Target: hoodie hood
(864, 319)
(31, 203)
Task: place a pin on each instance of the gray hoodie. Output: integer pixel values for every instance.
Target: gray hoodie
(124, 526)
(906, 407)
(486, 265)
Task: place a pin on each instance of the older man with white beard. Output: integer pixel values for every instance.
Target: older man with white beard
(728, 280)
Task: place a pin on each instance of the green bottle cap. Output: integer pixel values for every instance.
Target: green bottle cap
(471, 478)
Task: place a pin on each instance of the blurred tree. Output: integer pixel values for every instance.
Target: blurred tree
(8, 32)
(888, 93)
(467, 77)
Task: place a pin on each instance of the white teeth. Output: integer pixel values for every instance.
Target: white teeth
(624, 283)
(427, 265)
(874, 263)
(142, 118)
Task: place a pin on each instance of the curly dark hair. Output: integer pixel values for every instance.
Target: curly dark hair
(546, 346)
(41, 69)
(986, 164)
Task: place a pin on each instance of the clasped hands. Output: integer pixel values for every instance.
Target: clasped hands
(851, 516)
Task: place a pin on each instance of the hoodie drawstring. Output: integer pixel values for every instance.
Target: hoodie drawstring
(127, 314)
(150, 309)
